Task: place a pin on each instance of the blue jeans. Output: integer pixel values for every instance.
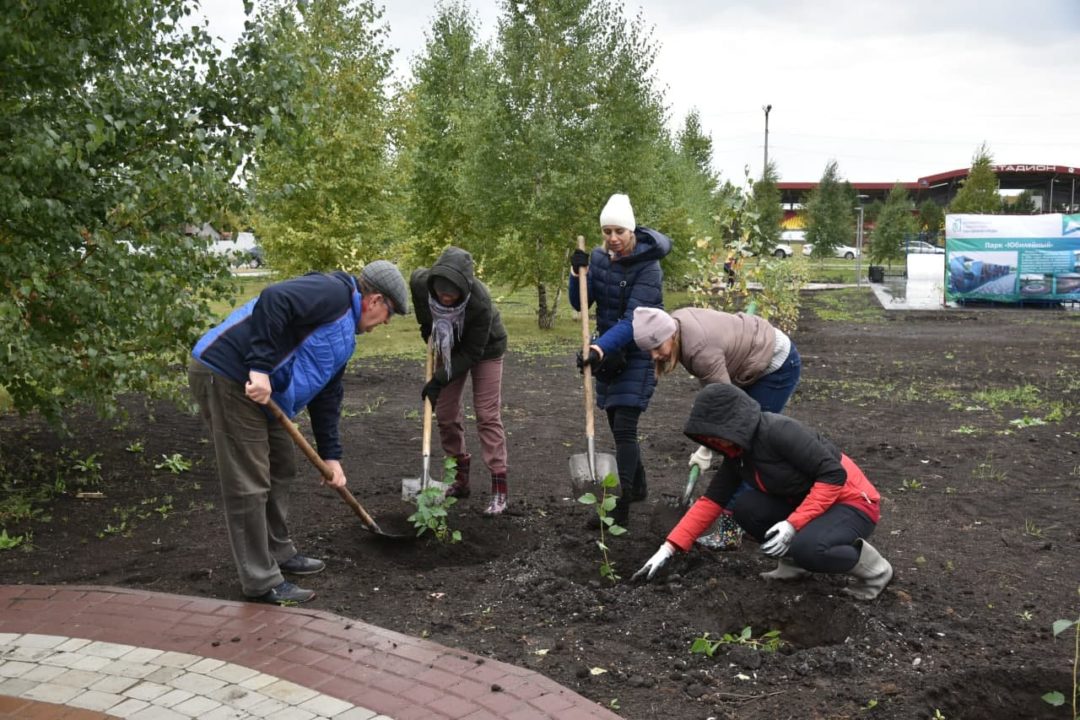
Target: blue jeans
(772, 391)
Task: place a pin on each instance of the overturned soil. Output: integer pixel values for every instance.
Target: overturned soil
(966, 420)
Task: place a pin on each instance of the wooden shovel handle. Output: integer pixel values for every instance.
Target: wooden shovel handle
(320, 464)
(429, 373)
(583, 303)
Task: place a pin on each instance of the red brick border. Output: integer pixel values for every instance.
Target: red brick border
(393, 674)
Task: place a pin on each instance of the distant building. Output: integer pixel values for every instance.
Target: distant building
(1053, 187)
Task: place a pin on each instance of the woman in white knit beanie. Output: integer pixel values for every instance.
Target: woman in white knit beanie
(622, 275)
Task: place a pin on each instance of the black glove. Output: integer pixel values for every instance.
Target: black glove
(431, 390)
(593, 360)
(578, 260)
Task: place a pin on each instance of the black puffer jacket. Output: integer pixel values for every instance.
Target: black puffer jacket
(626, 283)
(484, 337)
(780, 455)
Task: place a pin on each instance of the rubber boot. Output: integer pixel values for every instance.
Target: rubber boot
(726, 535)
(460, 487)
(872, 573)
(640, 489)
(786, 569)
(499, 501)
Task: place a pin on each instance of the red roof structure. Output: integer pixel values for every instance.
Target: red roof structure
(1055, 184)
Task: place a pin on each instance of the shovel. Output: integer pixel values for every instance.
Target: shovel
(411, 486)
(589, 469)
(301, 442)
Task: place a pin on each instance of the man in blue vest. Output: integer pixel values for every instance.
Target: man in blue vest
(291, 344)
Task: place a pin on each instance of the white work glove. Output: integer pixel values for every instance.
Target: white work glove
(655, 562)
(702, 457)
(778, 539)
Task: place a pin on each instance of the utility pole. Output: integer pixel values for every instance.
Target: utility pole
(858, 248)
(765, 167)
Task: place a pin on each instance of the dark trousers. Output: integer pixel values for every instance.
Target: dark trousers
(826, 544)
(256, 464)
(623, 422)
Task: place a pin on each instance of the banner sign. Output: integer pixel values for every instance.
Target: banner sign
(1012, 258)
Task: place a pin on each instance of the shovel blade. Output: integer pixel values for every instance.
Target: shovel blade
(411, 487)
(582, 477)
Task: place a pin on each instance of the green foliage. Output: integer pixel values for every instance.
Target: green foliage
(174, 463)
(740, 237)
(450, 80)
(894, 224)
(603, 505)
(695, 145)
(323, 189)
(780, 297)
(87, 469)
(767, 642)
(119, 127)
(931, 217)
(829, 213)
(10, 542)
(1023, 204)
(570, 118)
(431, 509)
(765, 203)
(978, 193)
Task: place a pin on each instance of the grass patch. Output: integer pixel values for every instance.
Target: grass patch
(845, 305)
(1025, 397)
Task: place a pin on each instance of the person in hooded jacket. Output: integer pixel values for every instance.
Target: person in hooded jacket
(456, 312)
(809, 505)
(291, 344)
(623, 275)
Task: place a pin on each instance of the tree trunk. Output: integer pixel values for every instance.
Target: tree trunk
(545, 318)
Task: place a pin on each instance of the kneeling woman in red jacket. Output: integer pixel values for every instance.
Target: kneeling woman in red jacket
(809, 504)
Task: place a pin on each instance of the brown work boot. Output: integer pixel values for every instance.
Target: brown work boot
(460, 487)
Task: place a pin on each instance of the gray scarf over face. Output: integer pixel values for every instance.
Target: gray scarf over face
(447, 327)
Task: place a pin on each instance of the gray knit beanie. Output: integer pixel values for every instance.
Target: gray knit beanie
(382, 276)
(652, 326)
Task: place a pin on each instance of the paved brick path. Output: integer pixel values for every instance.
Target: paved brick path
(90, 653)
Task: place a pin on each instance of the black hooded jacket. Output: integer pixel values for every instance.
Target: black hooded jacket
(780, 455)
(483, 337)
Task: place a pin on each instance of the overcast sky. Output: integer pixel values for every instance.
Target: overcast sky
(890, 90)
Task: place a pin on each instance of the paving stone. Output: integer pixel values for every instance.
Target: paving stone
(95, 700)
(78, 678)
(197, 706)
(147, 691)
(50, 693)
(128, 707)
(197, 683)
(289, 692)
(173, 697)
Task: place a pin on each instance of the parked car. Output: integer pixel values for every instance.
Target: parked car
(921, 246)
(782, 250)
(251, 258)
(842, 251)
